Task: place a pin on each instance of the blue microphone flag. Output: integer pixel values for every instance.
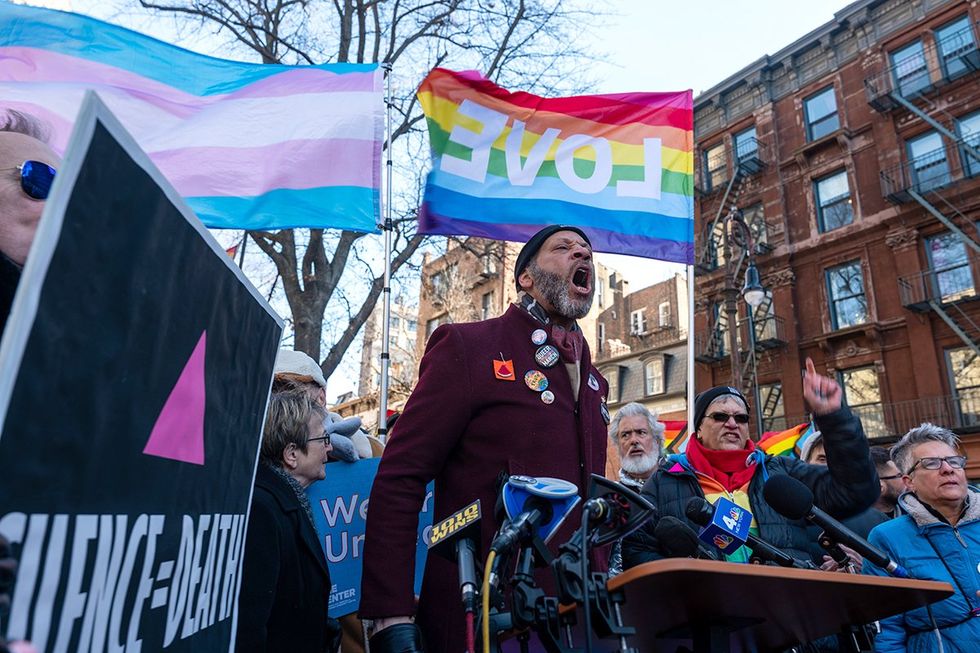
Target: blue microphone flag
(728, 528)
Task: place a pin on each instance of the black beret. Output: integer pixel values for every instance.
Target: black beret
(533, 244)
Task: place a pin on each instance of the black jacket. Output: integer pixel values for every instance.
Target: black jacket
(285, 582)
(848, 485)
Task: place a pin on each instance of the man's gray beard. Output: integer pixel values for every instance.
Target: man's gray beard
(554, 288)
(640, 466)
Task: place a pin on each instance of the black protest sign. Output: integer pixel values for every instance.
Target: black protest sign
(134, 376)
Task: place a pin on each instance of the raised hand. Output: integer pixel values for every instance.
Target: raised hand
(822, 394)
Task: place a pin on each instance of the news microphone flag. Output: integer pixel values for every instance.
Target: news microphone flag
(248, 146)
(728, 528)
(505, 164)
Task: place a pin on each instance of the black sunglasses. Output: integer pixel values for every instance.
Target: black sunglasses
(722, 418)
(36, 178)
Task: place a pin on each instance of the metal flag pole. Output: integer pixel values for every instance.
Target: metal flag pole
(690, 351)
(387, 227)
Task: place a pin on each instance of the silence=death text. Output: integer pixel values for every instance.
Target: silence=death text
(94, 582)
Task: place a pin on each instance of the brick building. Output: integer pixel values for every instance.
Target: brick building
(852, 156)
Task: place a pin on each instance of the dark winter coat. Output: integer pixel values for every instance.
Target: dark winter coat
(282, 607)
(462, 427)
(846, 486)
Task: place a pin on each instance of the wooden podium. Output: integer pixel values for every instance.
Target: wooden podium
(713, 607)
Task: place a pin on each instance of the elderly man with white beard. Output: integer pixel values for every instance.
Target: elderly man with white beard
(639, 439)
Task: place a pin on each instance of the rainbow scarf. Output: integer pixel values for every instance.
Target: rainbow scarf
(249, 146)
(507, 163)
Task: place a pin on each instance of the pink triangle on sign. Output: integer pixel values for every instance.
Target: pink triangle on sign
(179, 430)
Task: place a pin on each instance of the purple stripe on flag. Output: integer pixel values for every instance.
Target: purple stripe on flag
(253, 171)
(603, 240)
(41, 66)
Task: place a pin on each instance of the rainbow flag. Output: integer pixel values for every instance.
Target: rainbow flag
(675, 436)
(507, 163)
(249, 146)
(786, 443)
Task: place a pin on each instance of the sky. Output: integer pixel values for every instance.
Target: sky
(654, 45)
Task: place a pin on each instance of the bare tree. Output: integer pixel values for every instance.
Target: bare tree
(530, 44)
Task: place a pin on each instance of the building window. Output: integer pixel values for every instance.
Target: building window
(638, 322)
(773, 415)
(412, 325)
(664, 314)
(950, 267)
(927, 161)
(715, 168)
(909, 70)
(968, 128)
(487, 310)
(834, 208)
(612, 378)
(756, 219)
(395, 322)
(964, 371)
(821, 114)
(600, 292)
(653, 375)
(719, 336)
(845, 287)
(601, 335)
(863, 395)
(439, 284)
(953, 40)
(746, 145)
(489, 261)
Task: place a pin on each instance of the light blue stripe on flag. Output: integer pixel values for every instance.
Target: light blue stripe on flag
(337, 207)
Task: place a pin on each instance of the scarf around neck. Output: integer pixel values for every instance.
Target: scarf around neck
(298, 490)
(733, 469)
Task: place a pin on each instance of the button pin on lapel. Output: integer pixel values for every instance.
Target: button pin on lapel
(546, 356)
(593, 382)
(539, 336)
(503, 370)
(536, 380)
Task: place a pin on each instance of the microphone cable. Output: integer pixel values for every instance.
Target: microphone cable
(586, 580)
(485, 600)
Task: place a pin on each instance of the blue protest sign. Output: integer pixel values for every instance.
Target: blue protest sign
(340, 505)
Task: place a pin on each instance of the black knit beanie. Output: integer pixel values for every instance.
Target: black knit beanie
(703, 400)
(533, 244)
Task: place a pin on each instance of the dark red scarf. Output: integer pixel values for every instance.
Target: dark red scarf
(725, 466)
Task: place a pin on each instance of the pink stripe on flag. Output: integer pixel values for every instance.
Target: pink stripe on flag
(19, 64)
(252, 171)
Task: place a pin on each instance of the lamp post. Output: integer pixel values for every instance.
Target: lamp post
(752, 292)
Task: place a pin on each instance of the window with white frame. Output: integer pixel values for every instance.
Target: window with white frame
(487, 308)
(653, 375)
(834, 208)
(820, 111)
(927, 160)
(638, 322)
(664, 314)
(715, 167)
(601, 335)
(909, 70)
(953, 40)
(964, 371)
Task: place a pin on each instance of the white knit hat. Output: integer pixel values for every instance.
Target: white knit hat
(289, 361)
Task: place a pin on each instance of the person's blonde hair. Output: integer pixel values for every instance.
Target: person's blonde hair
(287, 422)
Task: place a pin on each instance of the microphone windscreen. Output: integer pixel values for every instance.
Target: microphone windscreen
(699, 511)
(788, 496)
(676, 538)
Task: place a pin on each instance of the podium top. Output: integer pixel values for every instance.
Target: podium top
(768, 608)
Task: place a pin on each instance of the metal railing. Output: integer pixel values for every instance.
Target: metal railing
(944, 286)
(769, 332)
(710, 346)
(928, 172)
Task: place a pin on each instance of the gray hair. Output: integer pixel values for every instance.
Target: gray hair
(19, 122)
(634, 409)
(286, 423)
(901, 452)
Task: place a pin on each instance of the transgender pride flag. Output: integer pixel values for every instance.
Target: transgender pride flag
(249, 146)
(507, 163)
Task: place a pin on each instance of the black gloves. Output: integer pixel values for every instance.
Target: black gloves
(400, 638)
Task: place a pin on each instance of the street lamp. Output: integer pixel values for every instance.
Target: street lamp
(752, 292)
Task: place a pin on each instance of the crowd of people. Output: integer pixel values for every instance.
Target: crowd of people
(519, 395)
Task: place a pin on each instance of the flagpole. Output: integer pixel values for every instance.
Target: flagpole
(690, 351)
(386, 291)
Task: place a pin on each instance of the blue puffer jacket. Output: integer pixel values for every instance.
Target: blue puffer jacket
(906, 540)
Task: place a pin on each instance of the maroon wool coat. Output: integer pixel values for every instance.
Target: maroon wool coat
(462, 427)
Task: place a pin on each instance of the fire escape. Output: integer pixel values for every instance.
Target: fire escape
(727, 247)
(907, 85)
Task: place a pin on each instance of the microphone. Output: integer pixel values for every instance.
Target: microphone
(678, 540)
(725, 525)
(614, 510)
(833, 549)
(456, 538)
(794, 500)
(534, 507)
(701, 512)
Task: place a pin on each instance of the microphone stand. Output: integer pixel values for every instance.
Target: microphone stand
(858, 638)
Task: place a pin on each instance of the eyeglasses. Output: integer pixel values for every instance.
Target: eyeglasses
(325, 439)
(626, 435)
(722, 418)
(934, 463)
(36, 179)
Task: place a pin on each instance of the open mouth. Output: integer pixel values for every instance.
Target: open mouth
(581, 279)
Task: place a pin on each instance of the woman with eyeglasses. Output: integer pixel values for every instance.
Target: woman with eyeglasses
(285, 582)
(721, 461)
(938, 538)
